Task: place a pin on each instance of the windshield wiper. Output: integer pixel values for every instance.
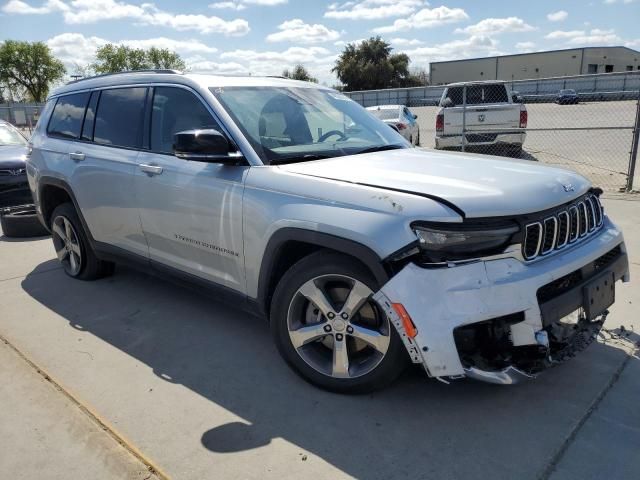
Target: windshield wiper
(298, 158)
(381, 148)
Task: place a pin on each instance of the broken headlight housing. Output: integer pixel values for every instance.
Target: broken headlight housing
(442, 242)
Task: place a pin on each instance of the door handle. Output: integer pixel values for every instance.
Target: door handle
(151, 169)
(76, 156)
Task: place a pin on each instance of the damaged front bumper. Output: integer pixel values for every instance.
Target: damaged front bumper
(503, 320)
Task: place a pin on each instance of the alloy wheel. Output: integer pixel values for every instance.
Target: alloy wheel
(67, 245)
(336, 327)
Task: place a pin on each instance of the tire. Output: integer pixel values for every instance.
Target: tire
(418, 140)
(515, 151)
(22, 224)
(316, 357)
(76, 255)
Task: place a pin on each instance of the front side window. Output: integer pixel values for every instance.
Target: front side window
(119, 116)
(176, 110)
(66, 119)
(10, 136)
(298, 124)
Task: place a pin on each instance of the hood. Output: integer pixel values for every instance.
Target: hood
(12, 156)
(479, 185)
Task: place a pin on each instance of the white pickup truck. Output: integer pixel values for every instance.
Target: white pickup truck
(492, 117)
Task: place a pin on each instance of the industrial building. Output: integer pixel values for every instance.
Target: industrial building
(524, 66)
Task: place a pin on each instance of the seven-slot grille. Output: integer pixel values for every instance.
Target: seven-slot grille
(562, 227)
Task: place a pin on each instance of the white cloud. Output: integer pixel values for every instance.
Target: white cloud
(297, 31)
(474, 46)
(230, 5)
(317, 60)
(525, 46)
(558, 16)
(92, 11)
(372, 9)
(493, 26)
(242, 4)
(406, 42)
(595, 36)
(426, 18)
(76, 49)
(611, 2)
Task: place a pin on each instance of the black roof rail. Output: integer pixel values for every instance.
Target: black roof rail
(152, 70)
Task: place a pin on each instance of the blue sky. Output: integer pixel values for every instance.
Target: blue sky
(266, 36)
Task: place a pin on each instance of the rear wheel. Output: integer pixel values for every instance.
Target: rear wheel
(72, 247)
(22, 224)
(330, 330)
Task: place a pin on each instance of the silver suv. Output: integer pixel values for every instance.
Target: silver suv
(364, 253)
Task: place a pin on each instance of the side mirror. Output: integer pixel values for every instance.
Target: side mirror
(447, 103)
(515, 98)
(206, 145)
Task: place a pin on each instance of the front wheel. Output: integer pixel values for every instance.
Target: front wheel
(329, 329)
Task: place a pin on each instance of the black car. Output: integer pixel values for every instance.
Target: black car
(567, 96)
(17, 213)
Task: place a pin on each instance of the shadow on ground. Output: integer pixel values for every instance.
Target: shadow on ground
(417, 428)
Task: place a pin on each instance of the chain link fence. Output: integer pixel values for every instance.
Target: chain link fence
(22, 115)
(588, 124)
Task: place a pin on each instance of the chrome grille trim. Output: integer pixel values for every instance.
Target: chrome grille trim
(549, 237)
(563, 217)
(528, 232)
(567, 225)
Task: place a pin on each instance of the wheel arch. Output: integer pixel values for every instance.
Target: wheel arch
(288, 245)
(52, 192)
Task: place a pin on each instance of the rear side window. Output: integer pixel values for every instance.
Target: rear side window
(479, 94)
(118, 120)
(176, 110)
(66, 119)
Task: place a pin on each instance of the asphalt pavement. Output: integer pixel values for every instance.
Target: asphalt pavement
(196, 389)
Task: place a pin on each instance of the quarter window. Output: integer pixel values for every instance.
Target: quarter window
(176, 110)
(66, 119)
(118, 121)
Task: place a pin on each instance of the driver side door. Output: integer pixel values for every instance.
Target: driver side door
(191, 211)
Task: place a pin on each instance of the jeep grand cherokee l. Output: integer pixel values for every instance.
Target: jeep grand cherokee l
(291, 199)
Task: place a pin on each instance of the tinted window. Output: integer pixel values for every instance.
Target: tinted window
(479, 94)
(119, 118)
(87, 127)
(176, 110)
(66, 119)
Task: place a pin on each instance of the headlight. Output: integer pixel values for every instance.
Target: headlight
(458, 242)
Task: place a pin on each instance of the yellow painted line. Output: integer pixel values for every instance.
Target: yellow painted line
(92, 414)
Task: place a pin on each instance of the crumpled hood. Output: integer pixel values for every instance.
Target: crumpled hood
(12, 156)
(479, 185)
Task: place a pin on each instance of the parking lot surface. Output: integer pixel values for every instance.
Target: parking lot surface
(600, 151)
(199, 389)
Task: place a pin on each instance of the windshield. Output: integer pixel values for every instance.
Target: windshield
(386, 113)
(287, 124)
(10, 136)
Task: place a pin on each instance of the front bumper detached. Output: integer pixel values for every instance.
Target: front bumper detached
(462, 305)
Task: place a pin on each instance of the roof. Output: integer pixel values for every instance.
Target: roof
(385, 107)
(536, 53)
(195, 80)
(476, 82)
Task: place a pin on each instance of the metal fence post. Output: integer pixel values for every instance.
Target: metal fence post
(633, 156)
(464, 117)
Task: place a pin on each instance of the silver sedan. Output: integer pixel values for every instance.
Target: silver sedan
(400, 118)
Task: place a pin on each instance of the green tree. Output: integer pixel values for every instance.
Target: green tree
(371, 65)
(299, 73)
(120, 58)
(27, 69)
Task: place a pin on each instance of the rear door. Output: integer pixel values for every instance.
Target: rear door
(106, 159)
(191, 211)
(488, 108)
